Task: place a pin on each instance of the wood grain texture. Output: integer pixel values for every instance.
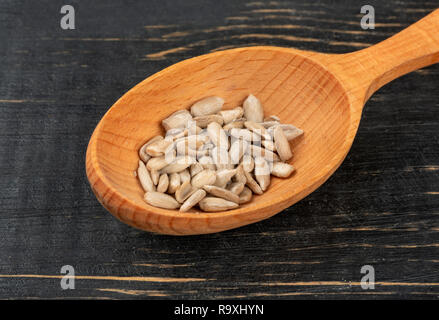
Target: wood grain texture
(379, 208)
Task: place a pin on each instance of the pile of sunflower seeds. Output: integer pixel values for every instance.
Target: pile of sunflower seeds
(215, 159)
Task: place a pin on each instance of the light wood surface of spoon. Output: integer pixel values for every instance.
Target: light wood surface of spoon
(323, 94)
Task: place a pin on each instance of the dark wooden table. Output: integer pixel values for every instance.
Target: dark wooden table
(380, 208)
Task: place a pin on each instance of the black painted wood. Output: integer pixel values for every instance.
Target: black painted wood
(380, 208)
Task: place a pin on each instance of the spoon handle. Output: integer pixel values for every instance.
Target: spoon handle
(367, 70)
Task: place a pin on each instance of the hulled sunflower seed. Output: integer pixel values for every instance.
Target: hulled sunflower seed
(245, 196)
(258, 129)
(176, 133)
(237, 150)
(174, 182)
(207, 162)
(163, 184)
(268, 124)
(290, 131)
(282, 145)
(248, 163)
(161, 200)
(222, 193)
(282, 170)
(144, 156)
(240, 175)
(253, 110)
(179, 164)
(257, 151)
(155, 176)
(196, 168)
(178, 119)
(206, 106)
(218, 135)
(223, 177)
(203, 121)
(237, 124)
(252, 184)
(203, 178)
(245, 134)
(210, 204)
(231, 115)
(236, 187)
(158, 148)
(193, 200)
(159, 163)
(262, 173)
(221, 158)
(184, 191)
(185, 176)
(144, 177)
(269, 145)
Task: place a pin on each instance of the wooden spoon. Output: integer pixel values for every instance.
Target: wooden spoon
(323, 94)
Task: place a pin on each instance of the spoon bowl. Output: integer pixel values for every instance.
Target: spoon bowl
(323, 94)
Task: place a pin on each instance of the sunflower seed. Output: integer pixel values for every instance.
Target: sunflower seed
(237, 124)
(240, 175)
(203, 178)
(252, 184)
(207, 162)
(185, 176)
(253, 110)
(203, 121)
(269, 145)
(216, 204)
(258, 129)
(222, 193)
(158, 148)
(155, 176)
(174, 182)
(163, 184)
(223, 177)
(282, 145)
(193, 200)
(196, 168)
(176, 133)
(262, 173)
(244, 134)
(282, 170)
(290, 131)
(221, 158)
(218, 135)
(245, 196)
(206, 106)
(184, 191)
(144, 177)
(159, 163)
(161, 200)
(178, 119)
(179, 164)
(257, 151)
(142, 152)
(269, 124)
(248, 163)
(236, 187)
(231, 115)
(237, 150)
